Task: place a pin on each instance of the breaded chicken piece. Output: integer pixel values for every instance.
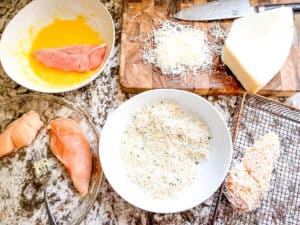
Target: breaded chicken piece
(249, 180)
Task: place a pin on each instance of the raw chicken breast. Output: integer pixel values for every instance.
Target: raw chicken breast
(71, 147)
(20, 133)
(72, 59)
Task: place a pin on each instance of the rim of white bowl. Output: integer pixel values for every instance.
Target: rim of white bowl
(149, 92)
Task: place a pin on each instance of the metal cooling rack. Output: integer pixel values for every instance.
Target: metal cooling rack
(281, 205)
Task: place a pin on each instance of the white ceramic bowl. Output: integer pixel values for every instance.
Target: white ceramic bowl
(212, 171)
(16, 39)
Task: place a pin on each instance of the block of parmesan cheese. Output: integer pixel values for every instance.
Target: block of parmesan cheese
(257, 46)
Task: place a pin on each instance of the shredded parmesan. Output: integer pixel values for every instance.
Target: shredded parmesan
(219, 34)
(162, 147)
(178, 49)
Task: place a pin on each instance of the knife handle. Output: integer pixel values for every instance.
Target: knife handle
(295, 7)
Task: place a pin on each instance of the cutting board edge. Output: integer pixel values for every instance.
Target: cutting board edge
(134, 90)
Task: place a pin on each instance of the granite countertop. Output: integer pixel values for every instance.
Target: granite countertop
(98, 99)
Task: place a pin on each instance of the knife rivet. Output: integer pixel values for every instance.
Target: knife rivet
(235, 12)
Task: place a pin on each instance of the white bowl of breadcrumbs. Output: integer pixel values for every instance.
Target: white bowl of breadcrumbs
(165, 150)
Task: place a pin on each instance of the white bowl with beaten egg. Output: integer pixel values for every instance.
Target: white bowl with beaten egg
(210, 173)
(20, 33)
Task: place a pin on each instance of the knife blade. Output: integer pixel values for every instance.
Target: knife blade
(225, 9)
(297, 26)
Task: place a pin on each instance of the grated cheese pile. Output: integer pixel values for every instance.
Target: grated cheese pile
(219, 34)
(178, 49)
(161, 148)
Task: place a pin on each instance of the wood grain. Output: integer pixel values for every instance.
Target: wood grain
(271, 2)
(139, 18)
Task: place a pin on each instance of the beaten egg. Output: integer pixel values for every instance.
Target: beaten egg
(62, 33)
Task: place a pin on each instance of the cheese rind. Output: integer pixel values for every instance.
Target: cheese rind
(257, 46)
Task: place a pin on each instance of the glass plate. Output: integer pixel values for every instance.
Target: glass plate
(21, 197)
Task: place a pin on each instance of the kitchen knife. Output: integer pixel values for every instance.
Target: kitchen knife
(226, 9)
(297, 26)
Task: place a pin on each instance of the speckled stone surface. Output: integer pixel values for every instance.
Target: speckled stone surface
(98, 99)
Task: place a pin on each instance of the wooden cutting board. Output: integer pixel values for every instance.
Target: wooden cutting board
(139, 18)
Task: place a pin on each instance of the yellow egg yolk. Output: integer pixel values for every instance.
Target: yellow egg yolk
(62, 33)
